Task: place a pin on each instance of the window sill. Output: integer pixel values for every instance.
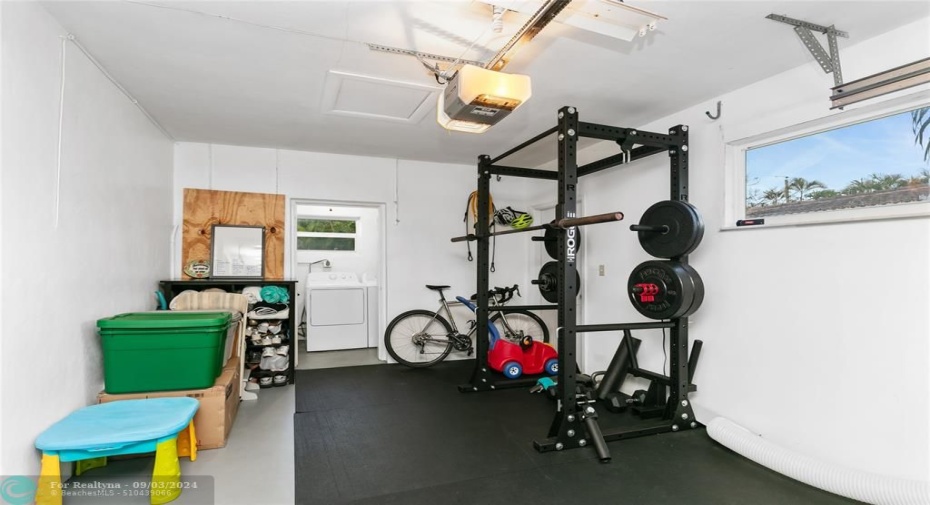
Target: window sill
(906, 211)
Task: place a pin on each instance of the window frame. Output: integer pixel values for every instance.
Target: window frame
(735, 162)
(319, 234)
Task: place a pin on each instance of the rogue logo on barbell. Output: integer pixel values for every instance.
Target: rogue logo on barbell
(570, 244)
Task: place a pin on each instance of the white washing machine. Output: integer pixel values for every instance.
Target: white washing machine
(337, 312)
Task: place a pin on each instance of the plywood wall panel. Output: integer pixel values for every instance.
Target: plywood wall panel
(204, 208)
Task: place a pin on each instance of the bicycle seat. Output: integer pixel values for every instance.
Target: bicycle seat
(437, 288)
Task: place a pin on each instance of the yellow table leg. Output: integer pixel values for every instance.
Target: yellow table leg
(84, 465)
(48, 489)
(166, 478)
(187, 442)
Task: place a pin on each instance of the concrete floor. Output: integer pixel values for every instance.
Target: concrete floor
(255, 467)
(335, 359)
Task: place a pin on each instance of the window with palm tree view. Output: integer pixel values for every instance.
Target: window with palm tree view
(315, 234)
(885, 161)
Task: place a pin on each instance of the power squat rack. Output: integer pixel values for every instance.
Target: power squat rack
(572, 417)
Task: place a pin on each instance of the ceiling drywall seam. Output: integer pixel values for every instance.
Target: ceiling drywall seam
(345, 37)
(119, 86)
(61, 120)
(243, 21)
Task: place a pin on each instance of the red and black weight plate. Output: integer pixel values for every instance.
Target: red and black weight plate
(665, 289)
(551, 240)
(677, 229)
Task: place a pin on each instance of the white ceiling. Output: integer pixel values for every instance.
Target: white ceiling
(254, 73)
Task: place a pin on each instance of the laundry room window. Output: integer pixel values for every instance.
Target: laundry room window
(323, 234)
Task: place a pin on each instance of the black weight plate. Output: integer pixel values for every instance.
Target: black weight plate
(552, 242)
(551, 295)
(669, 289)
(698, 286)
(685, 229)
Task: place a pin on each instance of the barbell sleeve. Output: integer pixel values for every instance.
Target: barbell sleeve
(642, 227)
(470, 237)
(568, 222)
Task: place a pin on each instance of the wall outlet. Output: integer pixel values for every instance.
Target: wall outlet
(600, 270)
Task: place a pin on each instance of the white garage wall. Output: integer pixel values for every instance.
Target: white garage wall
(2, 468)
(429, 210)
(95, 251)
(803, 344)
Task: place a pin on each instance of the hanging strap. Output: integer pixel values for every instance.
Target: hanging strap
(472, 205)
(493, 251)
(465, 220)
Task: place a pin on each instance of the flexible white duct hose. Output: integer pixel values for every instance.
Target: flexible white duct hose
(854, 484)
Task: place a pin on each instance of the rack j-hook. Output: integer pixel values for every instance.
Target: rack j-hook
(712, 116)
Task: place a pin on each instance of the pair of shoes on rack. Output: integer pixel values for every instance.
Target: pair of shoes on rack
(267, 379)
(269, 352)
(258, 339)
(266, 340)
(275, 360)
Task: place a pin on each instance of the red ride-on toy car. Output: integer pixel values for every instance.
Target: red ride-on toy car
(529, 357)
(513, 359)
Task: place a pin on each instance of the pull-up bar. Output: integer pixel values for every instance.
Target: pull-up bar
(564, 223)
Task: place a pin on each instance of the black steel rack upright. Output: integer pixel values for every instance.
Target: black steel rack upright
(567, 426)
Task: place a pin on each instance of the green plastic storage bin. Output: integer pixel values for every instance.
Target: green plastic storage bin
(162, 351)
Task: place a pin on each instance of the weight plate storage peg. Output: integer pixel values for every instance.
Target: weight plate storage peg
(548, 282)
(670, 229)
(665, 289)
(551, 240)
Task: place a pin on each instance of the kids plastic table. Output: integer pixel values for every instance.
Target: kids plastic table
(87, 436)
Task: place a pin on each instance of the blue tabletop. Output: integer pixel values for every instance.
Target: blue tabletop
(119, 422)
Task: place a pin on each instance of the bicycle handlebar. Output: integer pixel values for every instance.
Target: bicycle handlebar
(502, 295)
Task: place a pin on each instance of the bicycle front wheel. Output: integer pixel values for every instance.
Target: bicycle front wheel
(523, 323)
(418, 338)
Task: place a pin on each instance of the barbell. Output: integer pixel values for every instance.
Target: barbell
(560, 224)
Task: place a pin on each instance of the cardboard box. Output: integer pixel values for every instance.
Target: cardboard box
(218, 405)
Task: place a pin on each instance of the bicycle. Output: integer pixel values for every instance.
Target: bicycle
(421, 338)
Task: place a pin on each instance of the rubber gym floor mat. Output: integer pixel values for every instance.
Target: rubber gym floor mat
(325, 389)
(366, 442)
(383, 449)
(686, 468)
